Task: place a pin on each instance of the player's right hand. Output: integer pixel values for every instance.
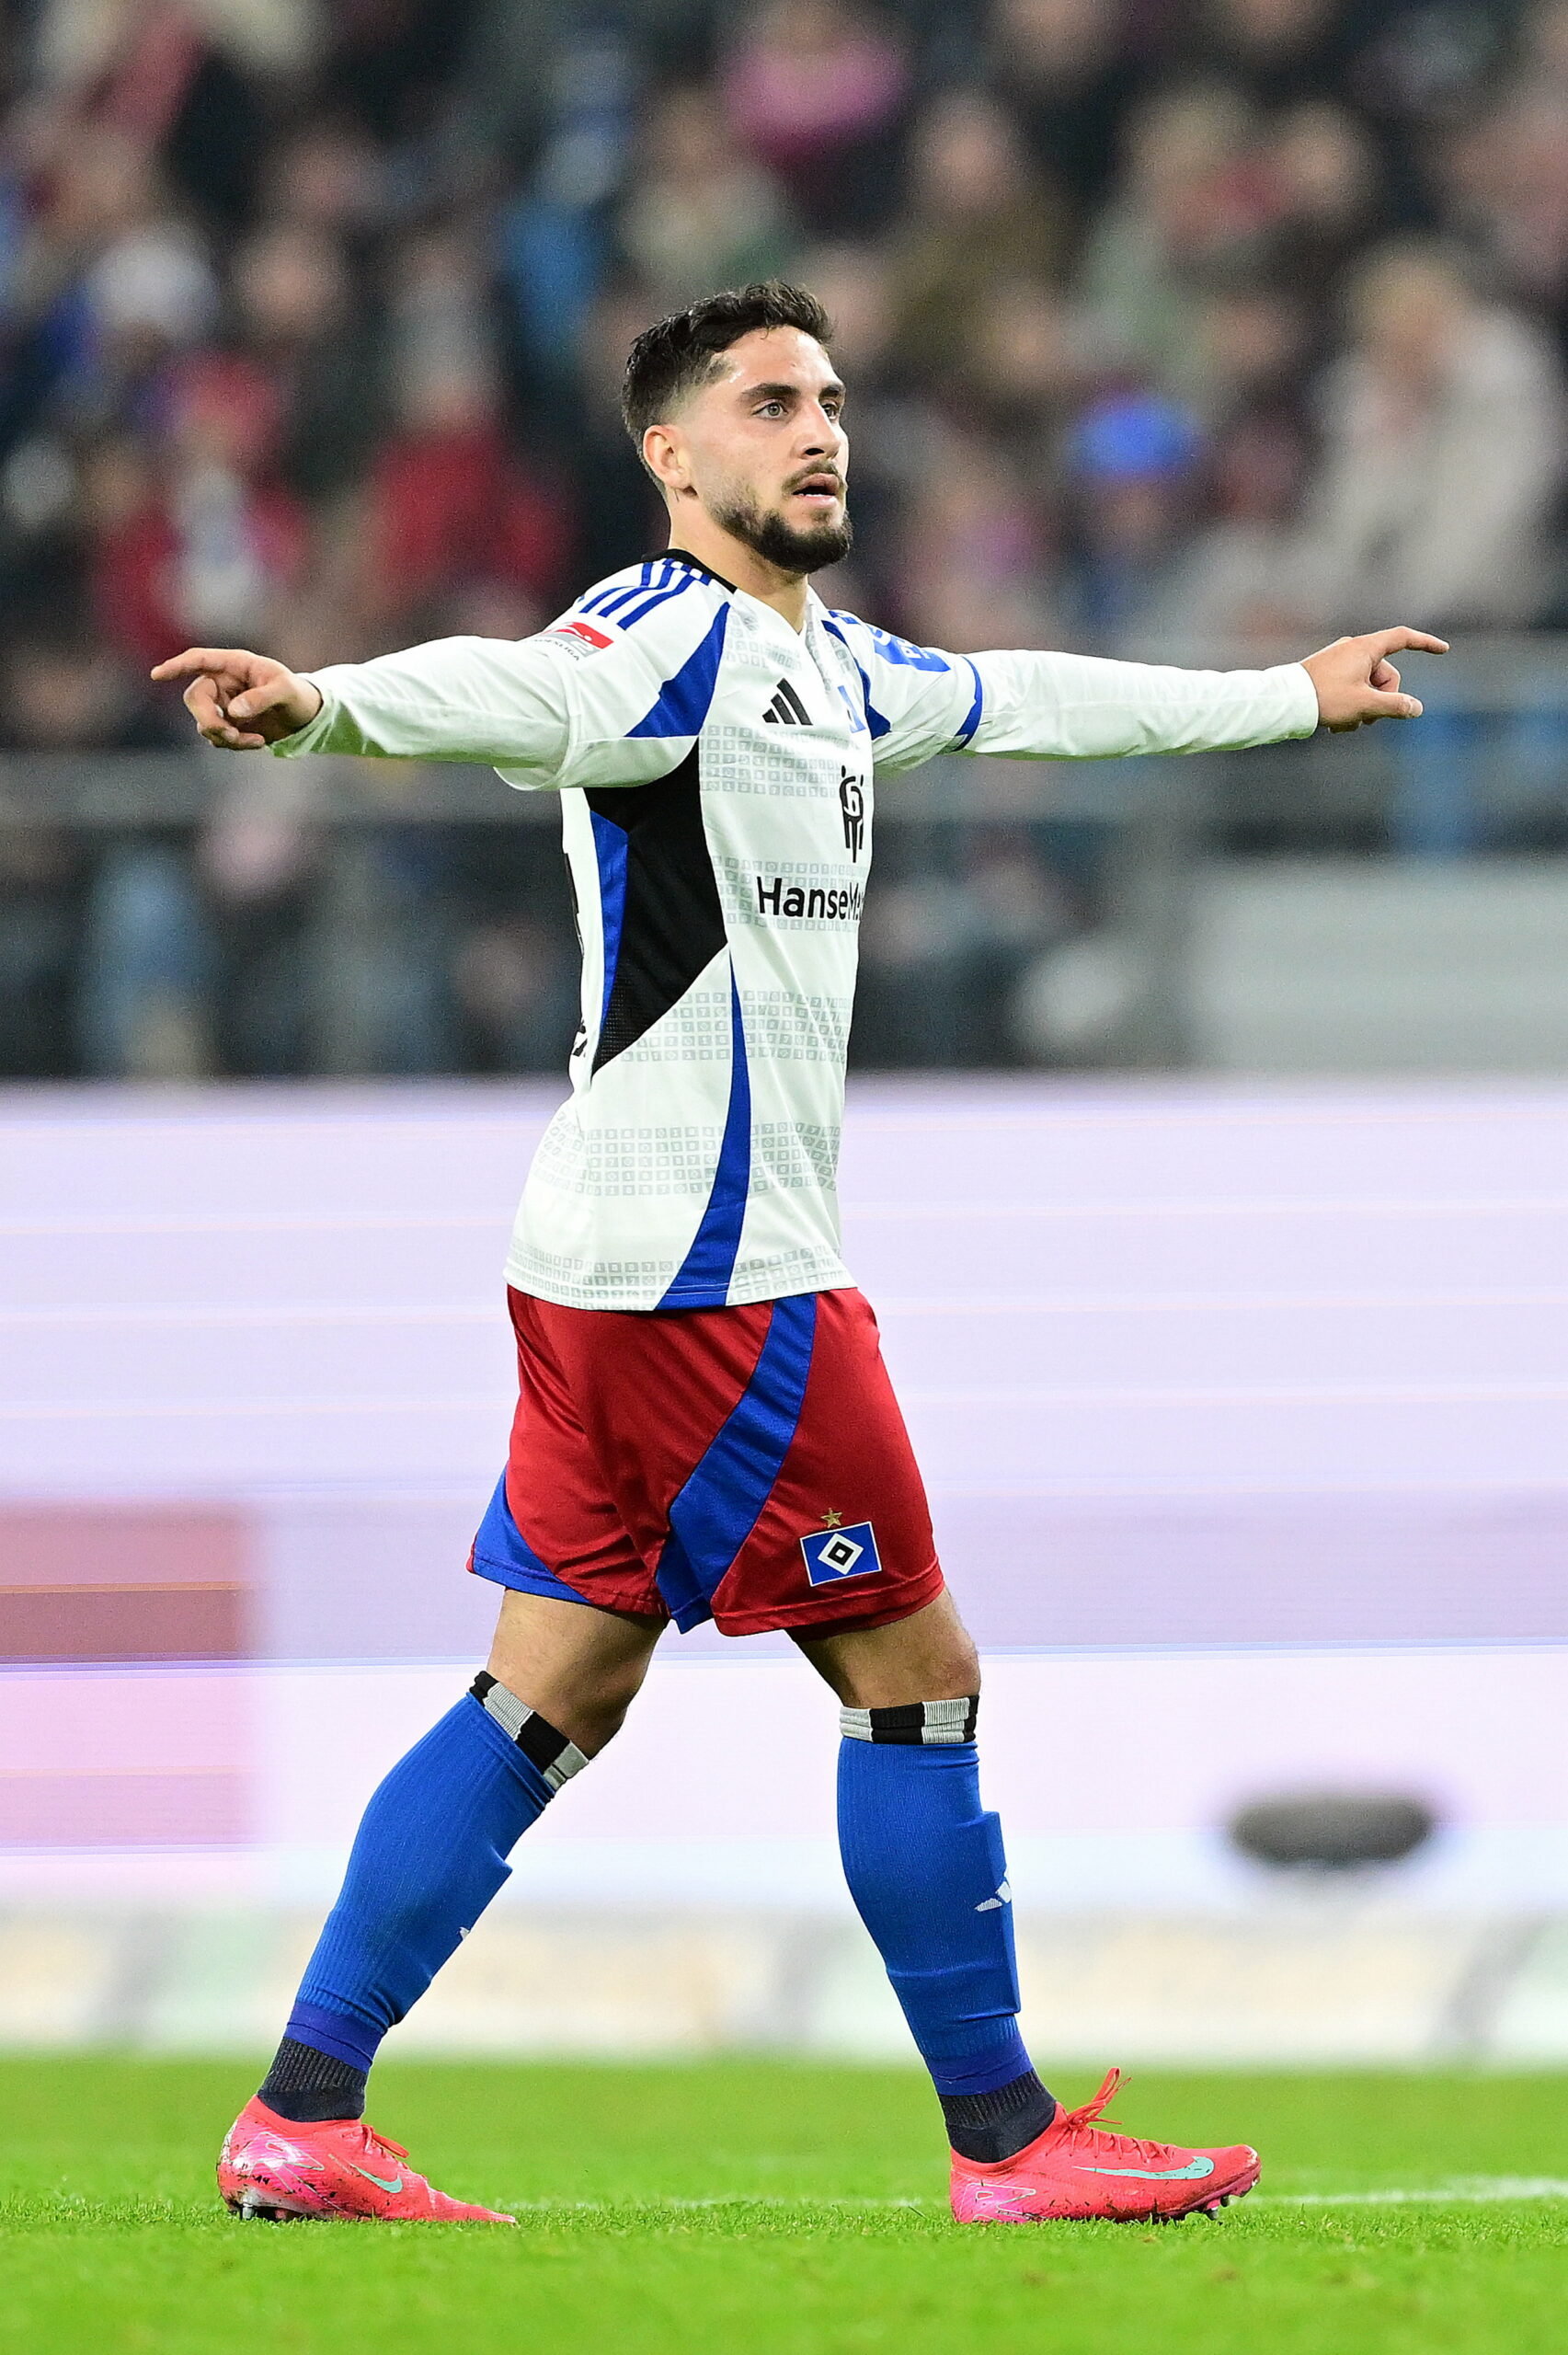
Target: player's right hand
(1356, 682)
(241, 701)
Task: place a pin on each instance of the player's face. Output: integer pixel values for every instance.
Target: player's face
(766, 450)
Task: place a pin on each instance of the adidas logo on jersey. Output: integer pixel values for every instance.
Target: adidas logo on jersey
(787, 708)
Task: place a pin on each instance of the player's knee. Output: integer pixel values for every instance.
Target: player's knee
(946, 1664)
(956, 1676)
(964, 1666)
(594, 1709)
(585, 1711)
(603, 1714)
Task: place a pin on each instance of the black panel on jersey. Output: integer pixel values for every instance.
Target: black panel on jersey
(672, 928)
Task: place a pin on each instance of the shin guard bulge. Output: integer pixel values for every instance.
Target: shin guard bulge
(429, 1854)
(925, 1866)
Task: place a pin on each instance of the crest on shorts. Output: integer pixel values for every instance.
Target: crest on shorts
(846, 1553)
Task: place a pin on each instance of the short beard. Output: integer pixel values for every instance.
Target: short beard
(778, 544)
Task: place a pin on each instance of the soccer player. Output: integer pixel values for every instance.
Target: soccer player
(704, 1426)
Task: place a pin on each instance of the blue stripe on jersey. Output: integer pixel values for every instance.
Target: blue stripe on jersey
(501, 1552)
(972, 717)
(682, 702)
(874, 719)
(636, 614)
(604, 601)
(610, 843)
(720, 1504)
(703, 1278)
(623, 596)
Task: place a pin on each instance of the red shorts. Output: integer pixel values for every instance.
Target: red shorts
(748, 1466)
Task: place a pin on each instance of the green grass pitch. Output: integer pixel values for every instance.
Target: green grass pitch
(771, 2208)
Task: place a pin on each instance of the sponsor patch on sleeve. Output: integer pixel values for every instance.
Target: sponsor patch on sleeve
(578, 637)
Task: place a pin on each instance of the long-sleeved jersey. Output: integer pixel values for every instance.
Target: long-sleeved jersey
(716, 769)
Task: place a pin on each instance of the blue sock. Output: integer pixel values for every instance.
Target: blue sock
(429, 1854)
(925, 1866)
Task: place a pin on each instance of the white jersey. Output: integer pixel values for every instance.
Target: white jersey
(716, 771)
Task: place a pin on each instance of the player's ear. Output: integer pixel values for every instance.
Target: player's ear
(664, 454)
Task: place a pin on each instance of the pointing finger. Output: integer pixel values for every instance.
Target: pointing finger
(1390, 641)
(203, 658)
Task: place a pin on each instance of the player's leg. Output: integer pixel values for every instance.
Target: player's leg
(429, 1854)
(431, 1848)
(925, 1866)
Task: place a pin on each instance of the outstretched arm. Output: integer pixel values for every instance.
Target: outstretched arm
(1074, 707)
(455, 699)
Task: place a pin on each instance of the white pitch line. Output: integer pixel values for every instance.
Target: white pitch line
(716, 2199)
(1476, 2191)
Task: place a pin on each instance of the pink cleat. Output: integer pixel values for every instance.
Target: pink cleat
(1078, 2169)
(276, 2168)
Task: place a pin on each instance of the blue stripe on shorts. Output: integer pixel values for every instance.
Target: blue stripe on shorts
(719, 1506)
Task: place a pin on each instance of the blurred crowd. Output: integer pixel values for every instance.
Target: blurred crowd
(1191, 324)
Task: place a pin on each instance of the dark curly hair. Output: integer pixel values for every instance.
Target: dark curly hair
(679, 355)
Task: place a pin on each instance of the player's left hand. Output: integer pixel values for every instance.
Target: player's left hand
(1356, 682)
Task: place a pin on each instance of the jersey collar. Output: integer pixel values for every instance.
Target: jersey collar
(681, 556)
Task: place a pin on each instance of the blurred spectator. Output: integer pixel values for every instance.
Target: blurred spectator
(106, 285)
(448, 508)
(1507, 182)
(516, 993)
(40, 879)
(147, 989)
(298, 315)
(1069, 68)
(1233, 583)
(206, 545)
(1131, 467)
(855, 283)
(699, 214)
(1503, 171)
(1195, 201)
(1327, 194)
(108, 957)
(64, 690)
(1249, 346)
(387, 62)
(815, 87)
(1443, 451)
(620, 515)
(1278, 50)
(976, 213)
(555, 235)
(974, 552)
(328, 176)
(1030, 361)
